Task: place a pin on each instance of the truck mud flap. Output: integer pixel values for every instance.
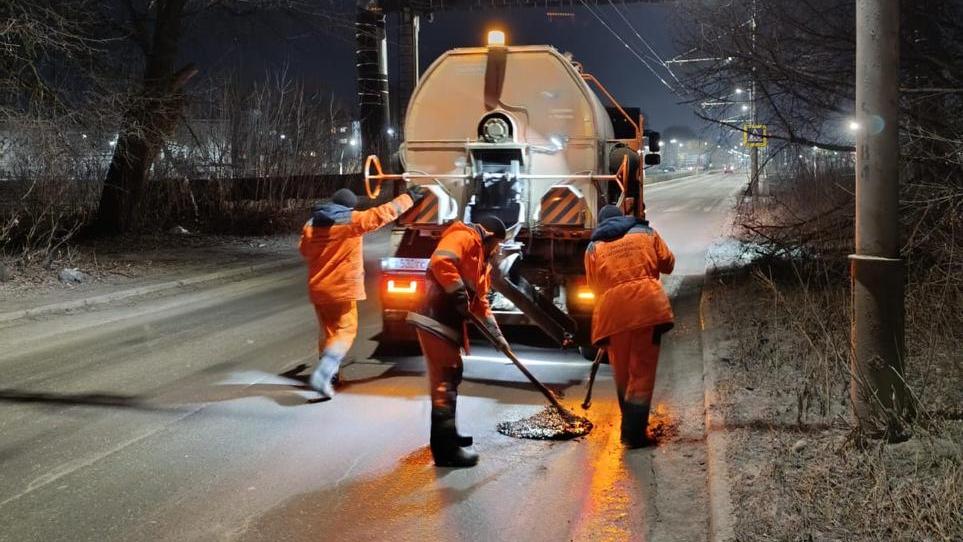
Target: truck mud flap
(507, 280)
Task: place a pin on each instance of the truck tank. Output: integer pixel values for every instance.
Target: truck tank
(516, 132)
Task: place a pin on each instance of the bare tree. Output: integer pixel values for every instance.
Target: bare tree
(151, 114)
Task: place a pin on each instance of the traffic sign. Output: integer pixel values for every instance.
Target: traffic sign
(754, 135)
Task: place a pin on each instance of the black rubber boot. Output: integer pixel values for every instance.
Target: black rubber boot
(444, 441)
(463, 441)
(635, 419)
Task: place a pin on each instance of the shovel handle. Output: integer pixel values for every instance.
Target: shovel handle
(521, 366)
(595, 369)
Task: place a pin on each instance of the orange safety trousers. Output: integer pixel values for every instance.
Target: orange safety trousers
(445, 368)
(339, 326)
(634, 356)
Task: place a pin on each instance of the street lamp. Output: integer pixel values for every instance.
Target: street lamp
(738, 91)
(853, 126)
(283, 136)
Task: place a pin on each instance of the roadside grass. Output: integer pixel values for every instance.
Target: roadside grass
(797, 470)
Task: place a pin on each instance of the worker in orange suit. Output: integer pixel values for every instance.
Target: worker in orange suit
(458, 280)
(632, 311)
(332, 248)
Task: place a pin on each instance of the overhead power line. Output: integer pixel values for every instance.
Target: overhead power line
(629, 47)
(655, 55)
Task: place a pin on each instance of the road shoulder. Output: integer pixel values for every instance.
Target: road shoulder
(133, 269)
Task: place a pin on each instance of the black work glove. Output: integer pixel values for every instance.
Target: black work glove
(460, 300)
(417, 192)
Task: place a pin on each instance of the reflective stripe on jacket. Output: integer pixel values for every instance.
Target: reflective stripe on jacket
(622, 265)
(458, 267)
(332, 248)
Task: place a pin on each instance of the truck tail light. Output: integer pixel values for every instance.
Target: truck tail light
(581, 298)
(585, 295)
(402, 287)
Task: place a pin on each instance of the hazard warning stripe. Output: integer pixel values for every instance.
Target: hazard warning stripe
(573, 217)
(430, 212)
(425, 212)
(561, 207)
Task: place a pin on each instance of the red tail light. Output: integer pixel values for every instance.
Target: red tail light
(402, 287)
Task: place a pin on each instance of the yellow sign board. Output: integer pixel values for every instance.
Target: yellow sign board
(755, 135)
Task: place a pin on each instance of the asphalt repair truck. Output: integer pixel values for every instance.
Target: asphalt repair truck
(518, 132)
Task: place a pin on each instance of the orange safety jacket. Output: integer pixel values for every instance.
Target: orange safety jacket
(331, 246)
(622, 265)
(458, 267)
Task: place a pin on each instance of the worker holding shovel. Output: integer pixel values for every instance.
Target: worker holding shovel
(622, 264)
(458, 280)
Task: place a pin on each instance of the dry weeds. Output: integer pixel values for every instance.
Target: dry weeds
(797, 472)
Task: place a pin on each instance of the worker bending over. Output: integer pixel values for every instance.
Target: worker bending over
(632, 311)
(458, 279)
(332, 248)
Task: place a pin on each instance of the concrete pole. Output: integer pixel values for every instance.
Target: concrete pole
(878, 392)
(755, 180)
(372, 65)
(408, 72)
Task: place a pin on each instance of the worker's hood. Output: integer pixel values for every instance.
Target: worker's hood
(329, 214)
(616, 227)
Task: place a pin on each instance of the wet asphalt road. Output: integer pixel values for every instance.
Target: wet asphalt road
(173, 418)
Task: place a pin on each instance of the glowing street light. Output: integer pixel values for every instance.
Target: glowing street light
(353, 142)
(673, 141)
(738, 91)
(853, 126)
(283, 136)
(745, 107)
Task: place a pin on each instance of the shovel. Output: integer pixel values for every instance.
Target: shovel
(595, 369)
(521, 367)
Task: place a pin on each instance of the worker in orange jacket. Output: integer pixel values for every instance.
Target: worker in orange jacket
(623, 263)
(332, 248)
(458, 280)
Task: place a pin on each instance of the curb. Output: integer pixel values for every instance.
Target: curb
(721, 518)
(145, 290)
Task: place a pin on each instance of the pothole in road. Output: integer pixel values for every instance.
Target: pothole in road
(548, 424)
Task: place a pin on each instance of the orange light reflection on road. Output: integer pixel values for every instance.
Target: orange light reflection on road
(607, 503)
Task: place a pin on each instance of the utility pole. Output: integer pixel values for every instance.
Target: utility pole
(372, 65)
(754, 180)
(878, 391)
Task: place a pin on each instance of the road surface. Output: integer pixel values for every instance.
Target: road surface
(177, 418)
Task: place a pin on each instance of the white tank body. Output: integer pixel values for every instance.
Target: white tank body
(560, 127)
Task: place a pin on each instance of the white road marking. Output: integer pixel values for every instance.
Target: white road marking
(501, 360)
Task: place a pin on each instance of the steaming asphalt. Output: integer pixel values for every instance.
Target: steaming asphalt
(170, 418)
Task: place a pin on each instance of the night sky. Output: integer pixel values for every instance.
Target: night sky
(320, 51)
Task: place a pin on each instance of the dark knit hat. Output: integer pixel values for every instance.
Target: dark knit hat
(609, 211)
(345, 197)
(493, 224)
